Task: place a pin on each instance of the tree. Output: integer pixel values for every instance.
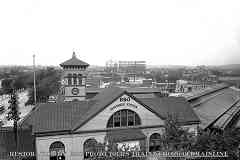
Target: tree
(2, 110)
(219, 141)
(47, 84)
(175, 137)
(13, 113)
(7, 85)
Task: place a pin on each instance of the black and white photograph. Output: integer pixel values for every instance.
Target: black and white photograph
(119, 80)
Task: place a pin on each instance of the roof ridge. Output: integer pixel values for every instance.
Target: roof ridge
(206, 91)
(207, 99)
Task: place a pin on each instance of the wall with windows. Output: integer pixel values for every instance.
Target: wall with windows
(74, 77)
(100, 121)
(74, 144)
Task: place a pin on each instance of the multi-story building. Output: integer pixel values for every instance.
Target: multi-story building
(132, 66)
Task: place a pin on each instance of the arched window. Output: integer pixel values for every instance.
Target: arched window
(69, 79)
(123, 118)
(57, 151)
(155, 142)
(75, 79)
(79, 79)
(90, 145)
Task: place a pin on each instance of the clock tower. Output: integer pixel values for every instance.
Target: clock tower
(74, 79)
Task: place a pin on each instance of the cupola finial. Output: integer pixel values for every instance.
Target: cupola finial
(74, 55)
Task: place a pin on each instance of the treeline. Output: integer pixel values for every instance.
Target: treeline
(47, 83)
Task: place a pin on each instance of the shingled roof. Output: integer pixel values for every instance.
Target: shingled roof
(74, 61)
(69, 116)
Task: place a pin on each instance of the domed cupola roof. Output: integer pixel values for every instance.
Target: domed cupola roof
(74, 61)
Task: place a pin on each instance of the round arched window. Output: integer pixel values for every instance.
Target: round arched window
(124, 118)
(155, 142)
(89, 146)
(80, 79)
(75, 79)
(57, 151)
(69, 79)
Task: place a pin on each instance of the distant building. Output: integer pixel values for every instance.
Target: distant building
(184, 86)
(167, 87)
(181, 86)
(111, 66)
(132, 66)
(199, 73)
(135, 67)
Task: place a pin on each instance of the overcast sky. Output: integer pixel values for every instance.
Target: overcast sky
(162, 32)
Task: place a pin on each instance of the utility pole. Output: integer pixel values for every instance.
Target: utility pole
(34, 81)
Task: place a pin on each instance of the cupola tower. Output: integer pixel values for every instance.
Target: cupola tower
(74, 79)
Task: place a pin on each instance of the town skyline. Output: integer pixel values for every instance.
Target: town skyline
(236, 65)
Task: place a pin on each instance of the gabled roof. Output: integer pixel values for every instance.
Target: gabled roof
(74, 61)
(69, 116)
(102, 100)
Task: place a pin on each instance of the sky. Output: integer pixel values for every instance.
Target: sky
(161, 32)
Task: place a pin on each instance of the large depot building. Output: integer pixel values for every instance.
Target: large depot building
(74, 125)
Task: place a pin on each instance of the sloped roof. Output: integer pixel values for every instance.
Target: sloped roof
(228, 118)
(69, 116)
(211, 106)
(51, 117)
(74, 61)
(203, 92)
(176, 106)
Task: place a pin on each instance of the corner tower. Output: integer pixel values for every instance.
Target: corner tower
(74, 79)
